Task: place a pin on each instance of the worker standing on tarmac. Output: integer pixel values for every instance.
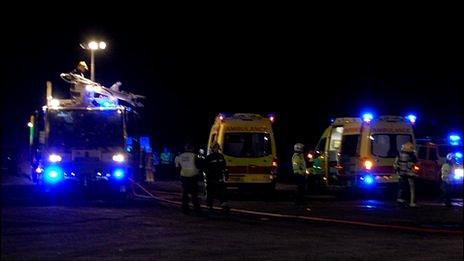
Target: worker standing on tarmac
(404, 164)
(149, 167)
(300, 172)
(447, 170)
(216, 174)
(166, 157)
(186, 162)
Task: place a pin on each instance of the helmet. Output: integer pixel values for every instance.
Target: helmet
(407, 147)
(450, 156)
(298, 147)
(83, 64)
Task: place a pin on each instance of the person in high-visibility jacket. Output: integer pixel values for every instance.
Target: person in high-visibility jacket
(186, 162)
(166, 158)
(149, 168)
(404, 165)
(447, 171)
(300, 172)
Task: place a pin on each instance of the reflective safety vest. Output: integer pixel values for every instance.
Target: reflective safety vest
(447, 170)
(186, 163)
(166, 158)
(299, 164)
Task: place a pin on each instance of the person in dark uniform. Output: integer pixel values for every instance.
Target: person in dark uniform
(214, 166)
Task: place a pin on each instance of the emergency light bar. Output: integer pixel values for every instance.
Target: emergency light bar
(367, 117)
(454, 139)
(412, 118)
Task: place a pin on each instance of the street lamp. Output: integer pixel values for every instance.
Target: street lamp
(93, 46)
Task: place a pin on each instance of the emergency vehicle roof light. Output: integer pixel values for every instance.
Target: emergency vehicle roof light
(271, 117)
(412, 118)
(367, 117)
(454, 140)
(458, 155)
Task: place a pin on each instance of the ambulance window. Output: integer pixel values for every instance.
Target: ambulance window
(402, 139)
(422, 153)
(381, 145)
(433, 154)
(336, 138)
(388, 145)
(350, 145)
(247, 144)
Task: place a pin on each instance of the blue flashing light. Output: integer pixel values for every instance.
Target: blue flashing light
(53, 174)
(106, 102)
(412, 118)
(367, 117)
(368, 179)
(118, 173)
(454, 140)
(458, 155)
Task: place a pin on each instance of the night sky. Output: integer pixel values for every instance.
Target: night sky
(304, 70)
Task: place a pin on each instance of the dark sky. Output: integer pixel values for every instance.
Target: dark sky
(304, 69)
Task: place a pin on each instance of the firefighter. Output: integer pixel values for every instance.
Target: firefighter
(186, 162)
(404, 164)
(300, 172)
(446, 174)
(80, 69)
(149, 167)
(77, 92)
(214, 166)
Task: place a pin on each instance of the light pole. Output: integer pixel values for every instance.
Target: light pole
(93, 46)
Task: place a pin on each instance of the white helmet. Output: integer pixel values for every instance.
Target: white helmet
(298, 147)
(450, 156)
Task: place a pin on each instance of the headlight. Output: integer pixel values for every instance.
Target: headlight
(118, 157)
(458, 173)
(368, 164)
(54, 158)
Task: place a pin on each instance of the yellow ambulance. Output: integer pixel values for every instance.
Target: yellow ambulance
(248, 144)
(359, 152)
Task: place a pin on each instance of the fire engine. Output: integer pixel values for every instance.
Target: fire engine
(83, 140)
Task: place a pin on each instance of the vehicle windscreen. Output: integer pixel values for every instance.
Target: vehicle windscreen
(251, 145)
(85, 128)
(388, 145)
